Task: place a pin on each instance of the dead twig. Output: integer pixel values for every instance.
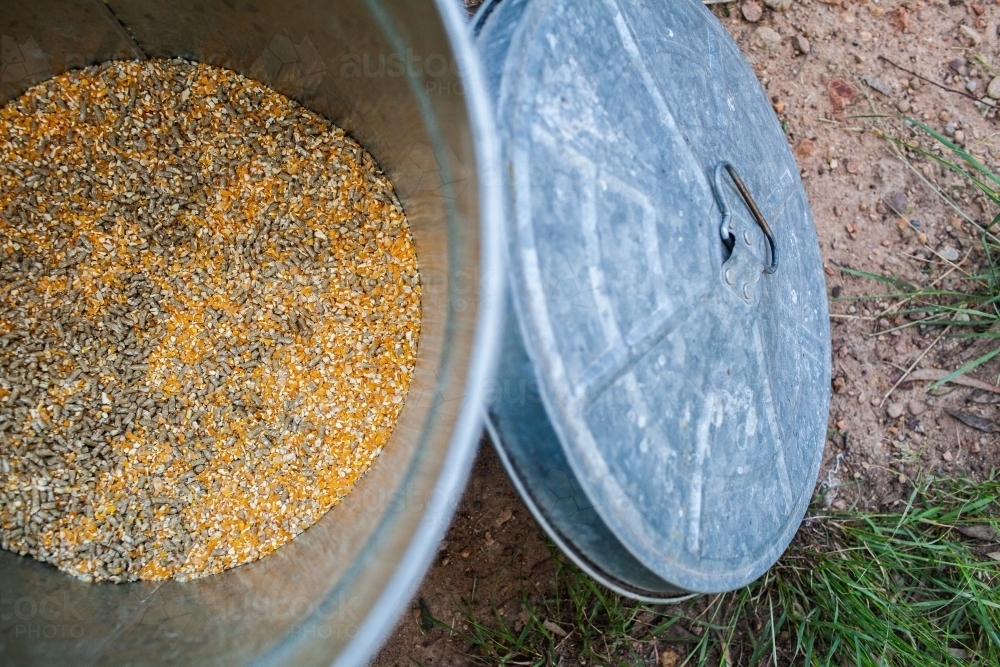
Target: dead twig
(944, 275)
(973, 421)
(931, 320)
(842, 316)
(935, 374)
(933, 83)
(912, 366)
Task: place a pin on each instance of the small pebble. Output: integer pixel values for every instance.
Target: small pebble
(751, 11)
(949, 253)
(916, 408)
(778, 5)
(876, 84)
(898, 202)
(993, 90)
(805, 148)
(895, 410)
(959, 137)
(767, 37)
(801, 44)
(974, 37)
(842, 94)
(903, 106)
(947, 456)
(669, 658)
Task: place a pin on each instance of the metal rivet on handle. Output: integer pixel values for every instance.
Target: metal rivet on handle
(729, 276)
(746, 237)
(746, 290)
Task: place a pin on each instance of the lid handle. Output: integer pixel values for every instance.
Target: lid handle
(727, 214)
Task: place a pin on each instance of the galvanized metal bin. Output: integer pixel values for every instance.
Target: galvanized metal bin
(662, 397)
(388, 72)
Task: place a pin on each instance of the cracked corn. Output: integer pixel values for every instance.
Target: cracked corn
(209, 308)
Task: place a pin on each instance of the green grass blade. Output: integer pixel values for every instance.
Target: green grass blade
(874, 276)
(962, 153)
(975, 363)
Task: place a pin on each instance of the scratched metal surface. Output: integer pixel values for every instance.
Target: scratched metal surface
(691, 411)
(517, 422)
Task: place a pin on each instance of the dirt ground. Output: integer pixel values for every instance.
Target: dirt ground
(823, 63)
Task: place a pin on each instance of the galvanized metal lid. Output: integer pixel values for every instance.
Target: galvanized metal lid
(667, 280)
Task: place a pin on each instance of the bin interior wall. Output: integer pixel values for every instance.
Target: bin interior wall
(302, 603)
